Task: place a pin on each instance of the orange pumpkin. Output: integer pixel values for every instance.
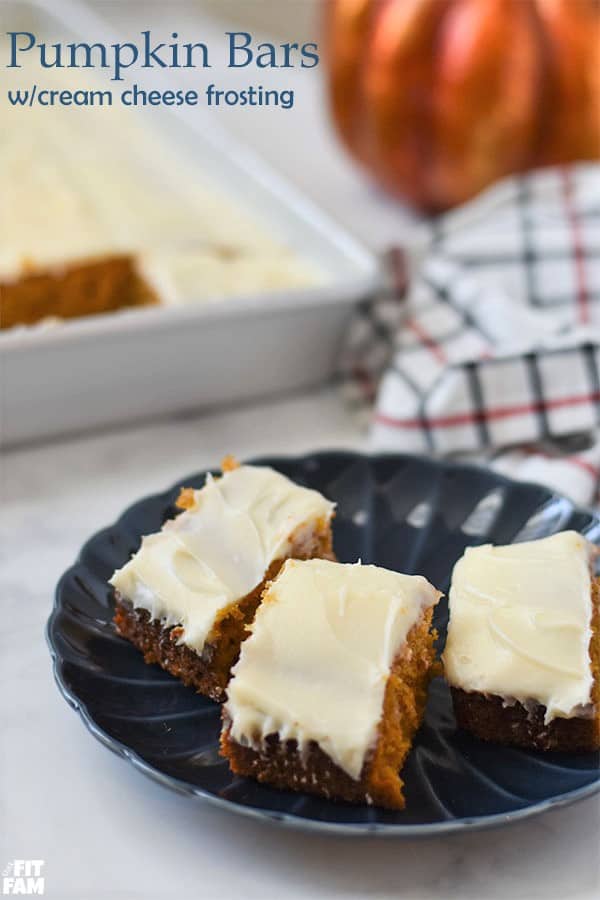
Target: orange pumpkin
(439, 98)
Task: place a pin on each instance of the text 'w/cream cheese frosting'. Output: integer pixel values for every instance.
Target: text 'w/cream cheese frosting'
(219, 550)
(317, 662)
(520, 623)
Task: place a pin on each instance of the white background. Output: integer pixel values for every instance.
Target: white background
(103, 829)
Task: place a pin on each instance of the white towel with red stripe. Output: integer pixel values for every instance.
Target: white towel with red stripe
(486, 342)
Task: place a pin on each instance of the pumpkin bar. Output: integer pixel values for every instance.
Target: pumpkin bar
(523, 650)
(187, 595)
(330, 687)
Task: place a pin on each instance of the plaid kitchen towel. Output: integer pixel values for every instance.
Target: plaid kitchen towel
(487, 339)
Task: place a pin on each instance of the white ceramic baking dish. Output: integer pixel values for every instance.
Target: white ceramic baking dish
(127, 366)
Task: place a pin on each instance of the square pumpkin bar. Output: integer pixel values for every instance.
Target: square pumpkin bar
(331, 685)
(523, 650)
(186, 597)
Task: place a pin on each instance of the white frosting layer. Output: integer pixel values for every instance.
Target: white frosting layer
(218, 551)
(87, 183)
(316, 664)
(520, 623)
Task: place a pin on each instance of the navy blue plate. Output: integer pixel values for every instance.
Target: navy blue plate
(402, 512)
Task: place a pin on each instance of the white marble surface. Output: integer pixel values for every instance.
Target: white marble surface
(104, 830)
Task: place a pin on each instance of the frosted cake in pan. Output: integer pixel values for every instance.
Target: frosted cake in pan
(99, 212)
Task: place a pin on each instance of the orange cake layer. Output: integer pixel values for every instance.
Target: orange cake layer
(81, 289)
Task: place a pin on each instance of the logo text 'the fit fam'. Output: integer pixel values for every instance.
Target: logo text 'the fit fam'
(23, 877)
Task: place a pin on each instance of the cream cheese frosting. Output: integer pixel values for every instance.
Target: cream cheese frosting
(81, 184)
(317, 662)
(218, 551)
(520, 623)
